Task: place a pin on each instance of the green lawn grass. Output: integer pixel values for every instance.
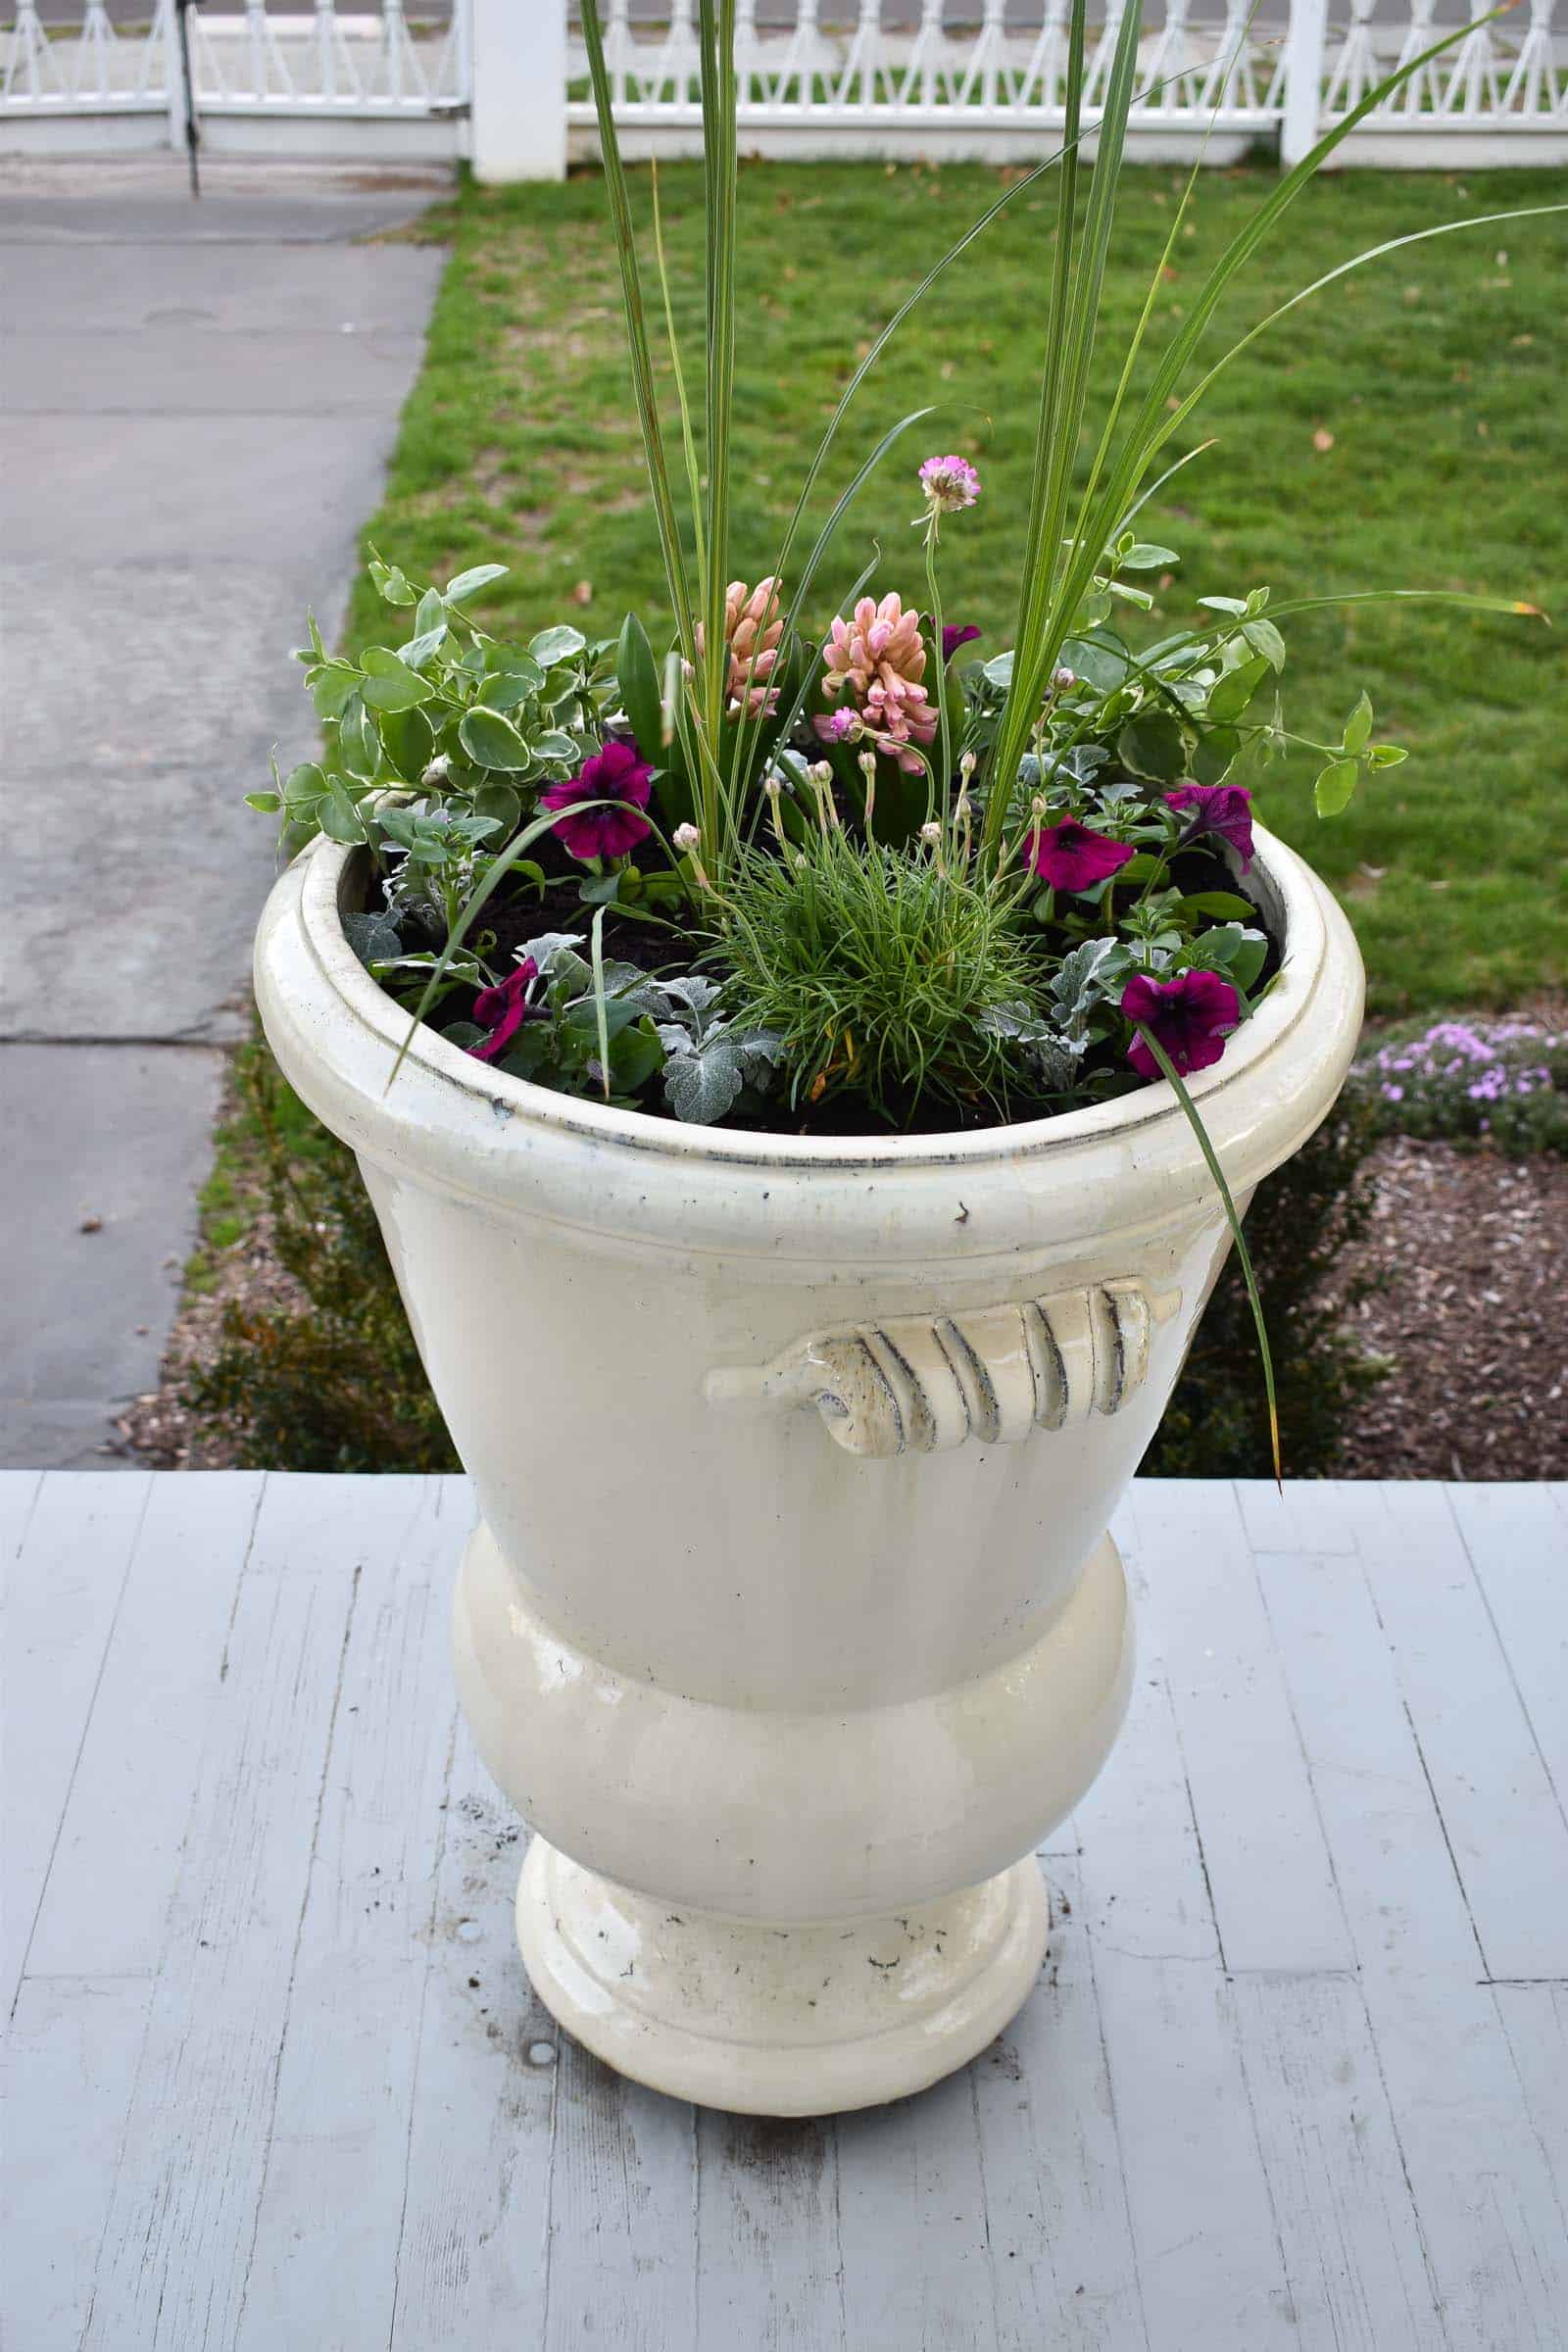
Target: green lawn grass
(1406, 428)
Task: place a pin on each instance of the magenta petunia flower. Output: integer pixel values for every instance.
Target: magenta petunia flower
(1190, 1016)
(1071, 856)
(953, 637)
(1223, 809)
(619, 777)
(504, 1008)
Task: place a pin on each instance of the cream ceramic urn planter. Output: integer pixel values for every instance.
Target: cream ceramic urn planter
(792, 1623)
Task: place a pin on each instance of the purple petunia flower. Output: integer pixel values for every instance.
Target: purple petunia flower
(953, 637)
(1071, 856)
(1190, 1017)
(1223, 809)
(504, 1008)
(619, 777)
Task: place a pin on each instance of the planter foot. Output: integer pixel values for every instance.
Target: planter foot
(779, 2021)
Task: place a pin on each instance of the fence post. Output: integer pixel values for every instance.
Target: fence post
(517, 94)
(1304, 43)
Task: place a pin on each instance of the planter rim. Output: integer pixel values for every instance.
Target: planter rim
(1294, 900)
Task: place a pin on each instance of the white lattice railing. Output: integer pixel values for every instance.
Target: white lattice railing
(285, 64)
(939, 79)
(950, 77)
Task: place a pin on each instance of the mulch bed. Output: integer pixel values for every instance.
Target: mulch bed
(1469, 1252)
(160, 1430)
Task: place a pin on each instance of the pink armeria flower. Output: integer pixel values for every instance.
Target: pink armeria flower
(1190, 1016)
(617, 777)
(950, 484)
(753, 627)
(1073, 856)
(878, 657)
(504, 1008)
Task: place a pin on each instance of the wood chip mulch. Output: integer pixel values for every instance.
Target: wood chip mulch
(1471, 1254)
(158, 1430)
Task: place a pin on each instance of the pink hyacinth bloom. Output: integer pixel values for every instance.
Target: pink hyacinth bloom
(950, 484)
(1190, 1017)
(877, 659)
(502, 1010)
(753, 627)
(619, 778)
(1073, 856)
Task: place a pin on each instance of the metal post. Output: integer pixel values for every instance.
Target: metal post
(189, 94)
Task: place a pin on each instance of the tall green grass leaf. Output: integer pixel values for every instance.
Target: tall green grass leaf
(642, 371)
(1169, 1072)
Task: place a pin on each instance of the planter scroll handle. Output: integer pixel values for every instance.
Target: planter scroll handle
(924, 1384)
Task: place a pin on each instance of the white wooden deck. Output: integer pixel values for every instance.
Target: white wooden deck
(1297, 2073)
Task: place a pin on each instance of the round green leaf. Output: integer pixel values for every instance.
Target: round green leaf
(493, 741)
(1151, 745)
(555, 645)
(1335, 787)
(1235, 690)
(389, 684)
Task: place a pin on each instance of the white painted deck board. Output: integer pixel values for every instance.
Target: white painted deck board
(1296, 2074)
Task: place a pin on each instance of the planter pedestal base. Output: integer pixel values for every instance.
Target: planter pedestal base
(779, 2021)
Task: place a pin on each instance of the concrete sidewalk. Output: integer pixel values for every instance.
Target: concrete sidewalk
(199, 402)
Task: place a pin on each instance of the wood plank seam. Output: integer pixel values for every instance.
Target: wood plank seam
(82, 1738)
(1115, 2124)
(973, 2073)
(355, 1585)
(31, 1506)
(1313, 1791)
(1479, 1582)
(436, 1859)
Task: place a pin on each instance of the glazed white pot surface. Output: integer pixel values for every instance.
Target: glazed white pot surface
(791, 1625)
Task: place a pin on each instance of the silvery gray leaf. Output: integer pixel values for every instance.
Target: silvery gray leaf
(373, 937)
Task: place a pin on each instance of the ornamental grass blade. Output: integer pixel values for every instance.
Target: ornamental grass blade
(1155, 423)
(1152, 426)
(1168, 1072)
(884, 334)
(601, 1012)
(694, 481)
(1373, 253)
(716, 39)
(642, 370)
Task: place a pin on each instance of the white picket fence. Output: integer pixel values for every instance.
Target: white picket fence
(504, 81)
